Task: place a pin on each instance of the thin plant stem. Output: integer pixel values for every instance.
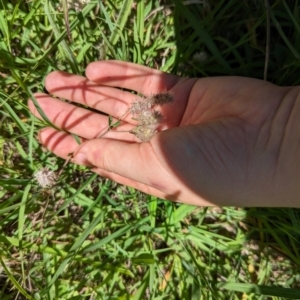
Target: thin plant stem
(267, 5)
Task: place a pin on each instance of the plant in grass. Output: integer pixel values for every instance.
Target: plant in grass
(46, 178)
(145, 110)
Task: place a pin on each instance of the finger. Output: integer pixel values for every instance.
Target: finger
(135, 184)
(130, 76)
(59, 142)
(112, 101)
(146, 81)
(137, 162)
(79, 121)
(63, 144)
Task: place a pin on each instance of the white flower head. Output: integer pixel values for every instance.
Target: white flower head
(149, 118)
(45, 177)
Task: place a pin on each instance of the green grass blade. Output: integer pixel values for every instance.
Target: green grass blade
(114, 235)
(76, 193)
(21, 222)
(121, 21)
(111, 26)
(31, 141)
(249, 288)
(14, 281)
(65, 49)
(140, 293)
(9, 208)
(141, 20)
(137, 57)
(4, 26)
(35, 102)
(282, 244)
(292, 17)
(22, 216)
(66, 17)
(11, 112)
(86, 10)
(152, 204)
(75, 247)
(283, 35)
(203, 35)
(182, 211)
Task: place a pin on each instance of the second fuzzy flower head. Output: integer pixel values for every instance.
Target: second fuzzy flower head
(144, 110)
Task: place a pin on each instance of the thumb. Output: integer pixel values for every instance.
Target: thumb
(134, 161)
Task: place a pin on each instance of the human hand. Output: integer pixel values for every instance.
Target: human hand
(225, 140)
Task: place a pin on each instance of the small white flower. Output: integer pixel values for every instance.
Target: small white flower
(45, 177)
(200, 56)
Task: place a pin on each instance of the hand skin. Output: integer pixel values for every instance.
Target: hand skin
(226, 140)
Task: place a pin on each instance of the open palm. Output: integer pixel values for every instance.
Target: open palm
(225, 140)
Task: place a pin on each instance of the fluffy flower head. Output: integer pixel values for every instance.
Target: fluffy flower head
(45, 177)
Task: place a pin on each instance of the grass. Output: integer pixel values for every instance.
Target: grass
(89, 238)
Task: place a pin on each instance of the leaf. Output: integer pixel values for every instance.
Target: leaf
(111, 124)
